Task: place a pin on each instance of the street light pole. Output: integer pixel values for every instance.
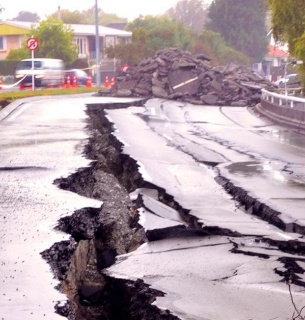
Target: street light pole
(294, 62)
(97, 47)
(285, 79)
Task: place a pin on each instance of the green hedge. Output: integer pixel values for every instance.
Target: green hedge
(7, 67)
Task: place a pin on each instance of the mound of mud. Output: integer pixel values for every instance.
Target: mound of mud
(179, 75)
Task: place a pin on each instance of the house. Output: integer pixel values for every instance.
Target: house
(12, 34)
(273, 64)
(118, 26)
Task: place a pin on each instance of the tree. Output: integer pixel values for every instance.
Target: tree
(55, 41)
(150, 34)
(27, 16)
(69, 17)
(242, 25)
(88, 17)
(287, 21)
(214, 46)
(18, 54)
(162, 32)
(288, 26)
(192, 13)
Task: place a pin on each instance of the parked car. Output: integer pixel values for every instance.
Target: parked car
(289, 78)
(81, 76)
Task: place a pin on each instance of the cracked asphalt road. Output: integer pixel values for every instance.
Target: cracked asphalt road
(205, 278)
(41, 140)
(236, 272)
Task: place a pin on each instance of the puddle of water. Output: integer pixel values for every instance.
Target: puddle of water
(285, 136)
(272, 171)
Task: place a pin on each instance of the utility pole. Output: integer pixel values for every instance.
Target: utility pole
(97, 47)
(58, 13)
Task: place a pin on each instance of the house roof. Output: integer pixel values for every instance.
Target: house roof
(119, 26)
(276, 52)
(8, 29)
(78, 29)
(86, 29)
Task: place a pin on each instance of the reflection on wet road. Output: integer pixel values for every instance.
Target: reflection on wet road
(40, 142)
(186, 149)
(223, 215)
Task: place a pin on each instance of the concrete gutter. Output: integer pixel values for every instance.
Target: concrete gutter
(4, 112)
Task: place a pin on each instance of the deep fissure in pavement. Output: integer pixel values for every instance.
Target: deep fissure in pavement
(99, 235)
(257, 208)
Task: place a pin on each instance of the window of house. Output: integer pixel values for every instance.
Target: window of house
(110, 41)
(82, 45)
(2, 43)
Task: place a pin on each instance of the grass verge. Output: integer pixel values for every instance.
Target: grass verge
(7, 97)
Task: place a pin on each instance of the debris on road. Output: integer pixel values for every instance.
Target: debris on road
(179, 75)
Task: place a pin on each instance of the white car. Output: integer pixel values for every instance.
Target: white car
(286, 79)
(46, 72)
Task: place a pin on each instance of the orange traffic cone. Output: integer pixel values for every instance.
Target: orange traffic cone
(68, 84)
(0, 82)
(74, 85)
(89, 81)
(112, 82)
(106, 84)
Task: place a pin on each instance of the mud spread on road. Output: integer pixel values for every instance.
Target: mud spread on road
(99, 235)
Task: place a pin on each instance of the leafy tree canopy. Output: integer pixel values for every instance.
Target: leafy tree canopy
(68, 17)
(55, 41)
(287, 21)
(18, 54)
(288, 26)
(162, 32)
(214, 46)
(150, 34)
(88, 17)
(192, 13)
(27, 16)
(242, 25)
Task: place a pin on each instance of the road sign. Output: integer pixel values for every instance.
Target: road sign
(32, 43)
(125, 67)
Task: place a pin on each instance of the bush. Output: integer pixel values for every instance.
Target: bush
(7, 67)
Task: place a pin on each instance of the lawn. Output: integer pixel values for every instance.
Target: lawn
(6, 97)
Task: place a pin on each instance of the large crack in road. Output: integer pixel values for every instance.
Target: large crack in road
(99, 236)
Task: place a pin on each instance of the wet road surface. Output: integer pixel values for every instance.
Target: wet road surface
(41, 140)
(182, 148)
(234, 273)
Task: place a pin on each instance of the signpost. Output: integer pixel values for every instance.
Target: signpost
(32, 44)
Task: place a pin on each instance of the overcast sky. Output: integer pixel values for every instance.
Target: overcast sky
(130, 9)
